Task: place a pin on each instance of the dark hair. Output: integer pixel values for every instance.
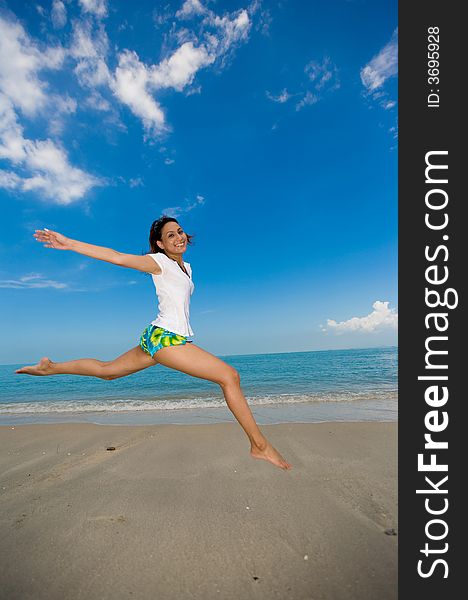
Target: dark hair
(156, 233)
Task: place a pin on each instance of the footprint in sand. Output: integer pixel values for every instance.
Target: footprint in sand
(108, 519)
(20, 521)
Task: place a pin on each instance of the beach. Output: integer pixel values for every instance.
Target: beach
(183, 512)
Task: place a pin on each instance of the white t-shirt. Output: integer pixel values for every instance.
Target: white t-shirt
(173, 288)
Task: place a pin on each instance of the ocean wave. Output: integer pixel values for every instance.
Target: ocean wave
(86, 406)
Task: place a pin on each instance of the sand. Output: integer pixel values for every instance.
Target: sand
(183, 512)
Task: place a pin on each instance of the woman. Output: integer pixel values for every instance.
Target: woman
(165, 340)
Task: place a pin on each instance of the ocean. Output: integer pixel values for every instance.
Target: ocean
(328, 385)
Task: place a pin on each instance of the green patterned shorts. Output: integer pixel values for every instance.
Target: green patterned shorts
(154, 338)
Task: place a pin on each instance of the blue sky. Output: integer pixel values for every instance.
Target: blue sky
(268, 128)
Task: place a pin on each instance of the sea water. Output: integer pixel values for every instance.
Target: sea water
(329, 385)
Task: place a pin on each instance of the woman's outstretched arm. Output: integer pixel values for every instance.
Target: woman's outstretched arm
(53, 239)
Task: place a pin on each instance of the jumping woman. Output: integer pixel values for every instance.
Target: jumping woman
(164, 341)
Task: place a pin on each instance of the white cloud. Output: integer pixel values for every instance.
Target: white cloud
(65, 106)
(97, 102)
(58, 14)
(322, 78)
(162, 15)
(9, 180)
(169, 161)
(394, 131)
(191, 8)
(264, 21)
(180, 68)
(231, 29)
(55, 177)
(90, 48)
(323, 75)
(175, 211)
(308, 99)
(33, 281)
(42, 165)
(191, 91)
(130, 85)
(282, 97)
(383, 66)
(136, 83)
(96, 7)
(382, 317)
(199, 201)
(378, 71)
(11, 133)
(19, 74)
(19, 77)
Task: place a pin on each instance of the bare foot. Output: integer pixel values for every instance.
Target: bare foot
(43, 367)
(271, 455)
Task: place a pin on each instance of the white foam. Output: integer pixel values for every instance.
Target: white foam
(83, 406)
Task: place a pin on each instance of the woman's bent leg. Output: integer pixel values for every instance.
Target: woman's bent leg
(194, 361)
(132, 361)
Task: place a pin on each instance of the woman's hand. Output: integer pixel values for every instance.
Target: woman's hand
(53, 239)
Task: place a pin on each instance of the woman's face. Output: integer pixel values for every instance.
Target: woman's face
(173, 238)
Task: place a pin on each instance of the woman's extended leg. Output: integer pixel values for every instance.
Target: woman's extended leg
(194, 361)
(132, 361)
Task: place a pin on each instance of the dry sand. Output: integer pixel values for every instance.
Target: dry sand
(183, 512)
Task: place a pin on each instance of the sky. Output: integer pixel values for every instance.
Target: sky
(268, 128)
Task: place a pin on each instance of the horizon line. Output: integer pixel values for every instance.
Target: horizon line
(273, 353)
